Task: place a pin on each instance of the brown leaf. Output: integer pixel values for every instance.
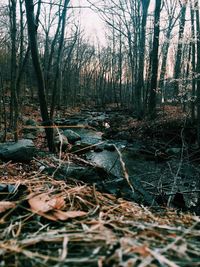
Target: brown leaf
(6, 205)
(65, 215)
(49, 207)
(43, 203)
(60, 203)
(141, 250)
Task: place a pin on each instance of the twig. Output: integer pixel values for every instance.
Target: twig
(125, 172)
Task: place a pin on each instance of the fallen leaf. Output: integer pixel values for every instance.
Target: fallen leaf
(172, 235)
(49, 207)
(141, 250)
(44, 203)
(59, 204)
(65, 215)
(6, 205)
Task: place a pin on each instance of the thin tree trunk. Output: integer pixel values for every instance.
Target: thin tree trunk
(52, 50)
(38, 70)
(193, 64)
(154, 70)
(58, 77)
(140, 80)
(14, 100)
(198, 70)
(177, 68)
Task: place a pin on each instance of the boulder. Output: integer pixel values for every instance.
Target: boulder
(22, 151)
(109, 147)
(61, 143)
(29, 136)
(105, 181)
(93, 123)
(71, 136)
(33, 128)
(98, 148)
(174, 150)
(30, 122)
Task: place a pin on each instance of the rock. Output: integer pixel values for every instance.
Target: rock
(98, 148)
(105, 181)
(33, 128)
(60, 121)
(30, 136)
(23, 150)
(109, 147)
(72, 122)
(93, 123)
(2, 134)
(173, 150)
(71, 136)
(30, 122)
(123, 135)
(80, 148)
(66, 122)
(11, 191)
(42, 154)
(88, 174)
(179, 201)
(61, 143)
(89, 136)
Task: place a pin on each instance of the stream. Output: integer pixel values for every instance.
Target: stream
(159, 178)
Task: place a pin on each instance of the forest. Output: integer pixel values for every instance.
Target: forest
(100, 133)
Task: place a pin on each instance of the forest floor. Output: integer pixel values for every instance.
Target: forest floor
(46, 221)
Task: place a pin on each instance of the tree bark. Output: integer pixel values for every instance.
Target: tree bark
(193, 63)
(14, 100)
(177, 67)
(154, 69)
(140, 80)
(32, 32)
(171, 7)
(58, 77)
(198, 69)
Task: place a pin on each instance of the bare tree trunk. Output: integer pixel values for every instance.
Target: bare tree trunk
(52, 50)
(171, 7)
(14, 100)
(58, 77)
(38, 70)
(21, 47)
(140, 80)
(193, 63)
(3, 114)
(177, 67)
(120, 67)
(198, 69)
(154, 70)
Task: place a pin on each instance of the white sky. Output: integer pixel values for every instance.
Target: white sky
(94, 26)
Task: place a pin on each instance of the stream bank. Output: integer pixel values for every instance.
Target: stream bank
(155, 158)
(151, 163)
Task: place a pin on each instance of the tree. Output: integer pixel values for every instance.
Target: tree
(140, 80)
(32, 32)
(193, 61)
(154, 68)
(171, 7)
(57, 89)
(198, 69)
(14, 100)
(177, 67)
